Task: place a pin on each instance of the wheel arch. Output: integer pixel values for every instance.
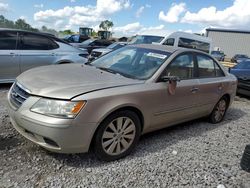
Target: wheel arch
(117, 109)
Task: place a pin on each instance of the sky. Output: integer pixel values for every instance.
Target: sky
(159, 17)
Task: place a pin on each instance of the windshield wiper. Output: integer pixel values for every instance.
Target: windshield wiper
(107, 70)
(117, 72)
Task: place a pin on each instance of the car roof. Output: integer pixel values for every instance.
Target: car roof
(21, 30)
(165, 48)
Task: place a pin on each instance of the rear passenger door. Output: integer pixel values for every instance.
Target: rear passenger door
(36, 50)
(211, 82)
(9, 59)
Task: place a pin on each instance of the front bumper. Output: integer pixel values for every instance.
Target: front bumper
(54, 134)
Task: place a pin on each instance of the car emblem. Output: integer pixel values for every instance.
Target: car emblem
(14, 94)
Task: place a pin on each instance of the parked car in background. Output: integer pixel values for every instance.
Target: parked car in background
(101, 51)
(242, 72)
(23, 50)
(91, 44)
(219, 55)
(75, 38)
(120, 96)
(146, 39)
(188, 40)
(238, 58)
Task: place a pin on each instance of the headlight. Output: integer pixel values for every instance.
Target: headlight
(58, 108)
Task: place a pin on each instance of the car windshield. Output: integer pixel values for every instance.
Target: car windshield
(146, 39)
(243, 65)
(242, 56)
(87, 42)
(132, 62)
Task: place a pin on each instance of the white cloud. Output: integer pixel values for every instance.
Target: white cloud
(72, 1)
(237, 16)
(173, 13)
(128, 29)
(38, 6)
(137, 28)
(69, 17)
(139, 11)
(4, 7)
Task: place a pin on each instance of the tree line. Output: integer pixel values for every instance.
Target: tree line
(22, 24)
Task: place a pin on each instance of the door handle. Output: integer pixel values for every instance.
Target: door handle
(53, 54)
(194, 89)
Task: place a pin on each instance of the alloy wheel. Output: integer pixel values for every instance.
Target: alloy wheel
(118, 136)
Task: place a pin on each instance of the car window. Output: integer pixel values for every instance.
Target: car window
(8, 40)
(169, 42)
(133, 62)
(207, 67)
(35, 42)
(182, 66)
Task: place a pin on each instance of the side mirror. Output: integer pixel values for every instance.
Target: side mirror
(172, 83)
(170, 78)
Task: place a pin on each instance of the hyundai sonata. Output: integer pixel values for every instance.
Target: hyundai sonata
(109, 103)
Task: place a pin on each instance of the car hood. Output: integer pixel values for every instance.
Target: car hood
(241, 73)
(70, 80)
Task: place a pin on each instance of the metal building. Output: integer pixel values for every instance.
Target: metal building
(230, 41)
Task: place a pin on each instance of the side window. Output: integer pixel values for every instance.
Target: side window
(169, 42)
(8, 40)
(186, 43)
(35, 42)
(208, 68)
(182, 66)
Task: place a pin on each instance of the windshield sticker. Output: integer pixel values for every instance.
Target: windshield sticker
(160, 56)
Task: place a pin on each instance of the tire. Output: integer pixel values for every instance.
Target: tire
(219, 111)
(117, 135)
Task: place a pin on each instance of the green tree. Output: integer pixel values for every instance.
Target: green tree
(21, 24)
(66, 32)
(48, 30)
(106, 25)
(5, 23)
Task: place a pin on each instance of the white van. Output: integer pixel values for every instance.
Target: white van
(188, 40)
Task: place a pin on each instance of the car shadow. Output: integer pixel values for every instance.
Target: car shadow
(8, 142)
(153, 142)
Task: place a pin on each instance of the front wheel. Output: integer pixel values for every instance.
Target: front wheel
(117, 135)
(219, 111)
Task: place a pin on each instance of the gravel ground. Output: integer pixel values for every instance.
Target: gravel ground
(193, 154)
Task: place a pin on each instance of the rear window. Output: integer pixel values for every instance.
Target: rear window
(8, 40)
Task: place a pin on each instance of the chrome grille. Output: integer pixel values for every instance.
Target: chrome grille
(18, 95)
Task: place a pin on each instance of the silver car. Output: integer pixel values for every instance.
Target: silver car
(22, 50)
(111, 102)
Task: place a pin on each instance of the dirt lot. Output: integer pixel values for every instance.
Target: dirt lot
(193, 154)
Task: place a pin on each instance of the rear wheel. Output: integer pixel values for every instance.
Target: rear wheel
(219, 111)
(117, 135)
